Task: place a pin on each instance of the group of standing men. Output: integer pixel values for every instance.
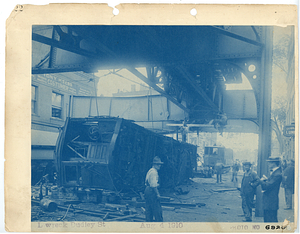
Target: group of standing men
(270, 188)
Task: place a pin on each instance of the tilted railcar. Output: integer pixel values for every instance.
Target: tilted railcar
(115, 154)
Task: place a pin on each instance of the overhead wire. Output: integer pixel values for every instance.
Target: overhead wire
(88, 79)
(130, 80)
(115, 73)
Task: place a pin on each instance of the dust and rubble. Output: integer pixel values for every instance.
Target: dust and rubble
(53, 203)
(203, 200)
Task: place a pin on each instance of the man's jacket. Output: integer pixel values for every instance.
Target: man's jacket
(270, 189)
(249, 183)
(219, 167)
(288, 180)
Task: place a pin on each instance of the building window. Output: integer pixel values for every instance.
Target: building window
(56, 105)
(33, 99)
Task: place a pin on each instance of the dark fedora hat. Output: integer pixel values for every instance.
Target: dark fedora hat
(247, 163)
(274, 159)
(157, 160)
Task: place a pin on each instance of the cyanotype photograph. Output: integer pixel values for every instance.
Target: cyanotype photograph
(162, 123)
(157, 125)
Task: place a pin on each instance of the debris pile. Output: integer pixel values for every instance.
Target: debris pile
(69, 204)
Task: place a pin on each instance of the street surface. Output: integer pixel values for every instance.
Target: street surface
(220, 206)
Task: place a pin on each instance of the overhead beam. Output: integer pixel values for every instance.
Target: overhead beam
(198, 89)
(49, 41)
(103, 48)
(256, 33)
(236, 36)
(156, 88)
(52, 52)
(183, 71)
(60, 69)
(63, 46)
(96, 43)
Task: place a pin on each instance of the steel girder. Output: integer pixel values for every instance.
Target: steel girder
(194, 62)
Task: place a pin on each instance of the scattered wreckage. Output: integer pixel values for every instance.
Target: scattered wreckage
(104, 160)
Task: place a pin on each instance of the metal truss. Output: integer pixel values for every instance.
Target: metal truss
(196, 86)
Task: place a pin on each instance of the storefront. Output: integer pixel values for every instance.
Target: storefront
(50, 95)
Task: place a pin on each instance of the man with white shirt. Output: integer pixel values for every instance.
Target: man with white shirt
(270, 187)
(152, 196)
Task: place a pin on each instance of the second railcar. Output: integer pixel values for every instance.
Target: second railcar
(213, 154)
(115, 154)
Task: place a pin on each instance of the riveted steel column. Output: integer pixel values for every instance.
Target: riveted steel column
(264, 113)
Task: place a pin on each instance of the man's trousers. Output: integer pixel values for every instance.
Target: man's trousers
(247, 205)
(270, 216)
(288, 197)
(153, 207)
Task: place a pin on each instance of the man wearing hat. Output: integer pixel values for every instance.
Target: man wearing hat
(248, 187)
(288, 184)
(270, 187)
(153, 207)
(219, 170)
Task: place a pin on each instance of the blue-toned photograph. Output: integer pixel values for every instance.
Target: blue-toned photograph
(161, 123)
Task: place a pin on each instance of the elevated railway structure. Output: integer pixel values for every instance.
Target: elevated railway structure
(189, 66)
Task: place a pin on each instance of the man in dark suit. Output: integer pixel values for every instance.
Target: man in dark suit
(288, 184)
(270, 187)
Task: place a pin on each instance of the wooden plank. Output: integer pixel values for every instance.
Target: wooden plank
(122, 217)
(166, 199)
(76, 152)
(224, 190)
(168, 208)
(106, 215)
(91, 212)
(114, 206)
(176, 204)
(142, 196)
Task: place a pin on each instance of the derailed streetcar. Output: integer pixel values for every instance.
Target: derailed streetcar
(115, 154)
